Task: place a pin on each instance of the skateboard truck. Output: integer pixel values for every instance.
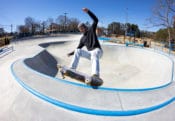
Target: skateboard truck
(62, 73)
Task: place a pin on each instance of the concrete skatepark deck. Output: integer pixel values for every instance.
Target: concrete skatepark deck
(44, 96)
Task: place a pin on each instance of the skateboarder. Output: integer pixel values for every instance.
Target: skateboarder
(89, 39)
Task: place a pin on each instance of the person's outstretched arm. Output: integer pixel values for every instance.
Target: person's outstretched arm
(92, 15)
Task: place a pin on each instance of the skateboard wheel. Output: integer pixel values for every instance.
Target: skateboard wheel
(96, 81)
(88, 81)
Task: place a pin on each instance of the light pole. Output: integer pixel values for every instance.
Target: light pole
(65, 21)
(126, 24)
(11, 28)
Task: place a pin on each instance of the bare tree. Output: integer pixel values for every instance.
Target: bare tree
(37, 27)
(60, 20)
(49, 22)
(171, 5)
(23, 30)
(55, 27)
(43, 26)
(72, 24)
(29, 22)
(33, 26)
(163, 14)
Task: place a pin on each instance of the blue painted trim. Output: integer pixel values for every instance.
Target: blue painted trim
(89, 110)
(104, 38)
(134, 44)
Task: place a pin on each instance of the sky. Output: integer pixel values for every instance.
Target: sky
(133, 11)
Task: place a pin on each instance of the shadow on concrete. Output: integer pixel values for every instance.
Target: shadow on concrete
(45, 45)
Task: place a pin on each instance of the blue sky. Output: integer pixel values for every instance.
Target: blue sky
(15, 11)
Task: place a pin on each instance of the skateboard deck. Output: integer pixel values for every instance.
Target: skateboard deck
(79, 76)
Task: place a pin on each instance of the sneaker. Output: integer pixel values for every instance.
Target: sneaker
(72, 69)
(95, 75)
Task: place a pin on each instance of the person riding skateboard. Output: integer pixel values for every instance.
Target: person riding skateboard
(89, 39)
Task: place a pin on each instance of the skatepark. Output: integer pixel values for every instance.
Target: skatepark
(138, 83)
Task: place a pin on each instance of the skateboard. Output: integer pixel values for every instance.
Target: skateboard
(79, 76)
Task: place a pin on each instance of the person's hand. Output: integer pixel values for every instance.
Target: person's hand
(69, 54)
(85, 10)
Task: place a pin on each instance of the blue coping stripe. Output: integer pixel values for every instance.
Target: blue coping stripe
(89, 110)
(134, 44)
(104, 38)
(108, 88)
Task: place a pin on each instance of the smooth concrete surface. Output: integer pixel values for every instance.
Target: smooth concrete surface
(122, 67)
(17, 104)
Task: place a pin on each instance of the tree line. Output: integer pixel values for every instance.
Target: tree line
(60, 24)
(127, 29)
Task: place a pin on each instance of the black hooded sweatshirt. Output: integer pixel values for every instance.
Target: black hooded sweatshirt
(89, 38)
